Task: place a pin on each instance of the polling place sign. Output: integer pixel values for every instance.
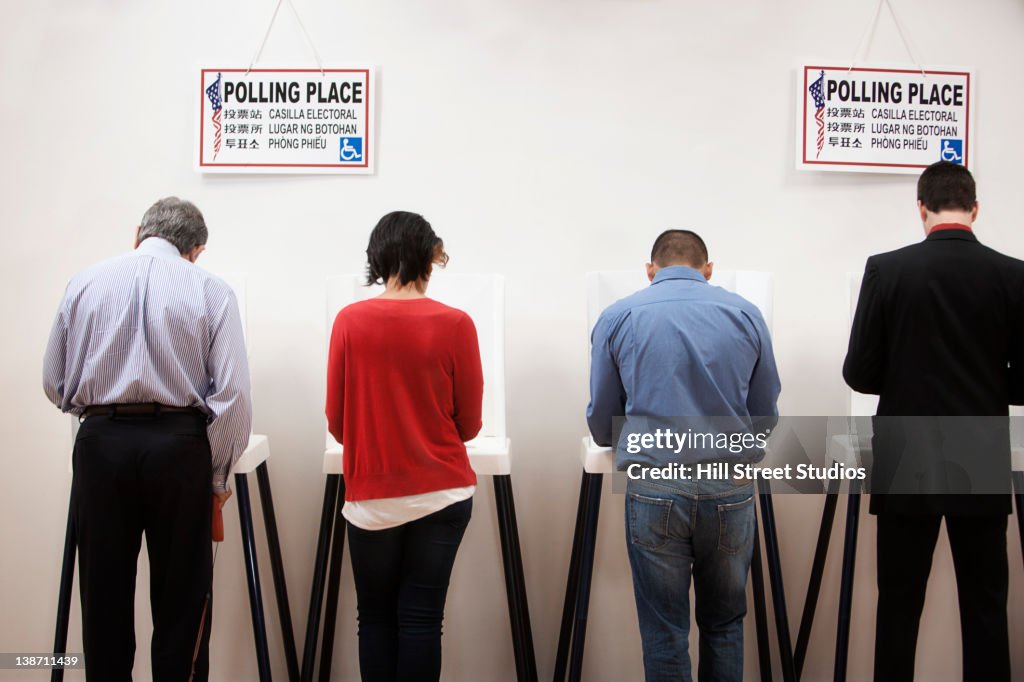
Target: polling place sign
(883, 120)
(285, 120)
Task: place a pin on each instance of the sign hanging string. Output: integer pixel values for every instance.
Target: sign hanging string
(869, 35)
(273, 17)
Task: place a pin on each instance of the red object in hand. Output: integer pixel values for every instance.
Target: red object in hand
(218, 522)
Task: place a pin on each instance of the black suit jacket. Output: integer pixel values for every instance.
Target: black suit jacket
(939, 332)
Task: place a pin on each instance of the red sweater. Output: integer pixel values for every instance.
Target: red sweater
(404, 391)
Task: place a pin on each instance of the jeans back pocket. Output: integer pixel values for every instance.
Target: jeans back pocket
(648, 520)
(736, 525)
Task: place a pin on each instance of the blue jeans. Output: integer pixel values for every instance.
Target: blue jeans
(401, 576)
(679, 529)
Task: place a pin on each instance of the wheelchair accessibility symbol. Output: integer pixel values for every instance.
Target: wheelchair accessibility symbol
(351, 149)
(952, 150)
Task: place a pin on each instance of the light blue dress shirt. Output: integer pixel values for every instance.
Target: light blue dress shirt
(680, 348)
(150, 326)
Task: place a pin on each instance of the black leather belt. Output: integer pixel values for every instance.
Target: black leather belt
(137, 410)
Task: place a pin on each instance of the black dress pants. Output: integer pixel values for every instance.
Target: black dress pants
(401, 576)
(134, 475)
(905, 547)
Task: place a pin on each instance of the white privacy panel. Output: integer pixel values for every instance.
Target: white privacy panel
(861, 404)
(607, 287)
(482, 297)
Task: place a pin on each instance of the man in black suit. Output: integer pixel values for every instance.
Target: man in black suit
(938, 336)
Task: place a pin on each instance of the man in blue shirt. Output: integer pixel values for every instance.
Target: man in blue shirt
(683, 348)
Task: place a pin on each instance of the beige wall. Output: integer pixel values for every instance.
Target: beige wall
(542, 140)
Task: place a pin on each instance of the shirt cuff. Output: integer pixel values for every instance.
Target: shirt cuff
(220, 484)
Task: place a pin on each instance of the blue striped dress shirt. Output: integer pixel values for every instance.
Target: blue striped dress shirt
(150, 326)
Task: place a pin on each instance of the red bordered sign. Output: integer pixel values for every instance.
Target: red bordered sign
(286, 120)
(883, 119)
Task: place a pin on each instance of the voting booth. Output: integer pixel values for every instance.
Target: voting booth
(603, 289)
(850, 449)
(482, 297)
(253, 459)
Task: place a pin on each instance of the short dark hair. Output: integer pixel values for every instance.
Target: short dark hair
(679, 247)
(402, 244)
(946, 186)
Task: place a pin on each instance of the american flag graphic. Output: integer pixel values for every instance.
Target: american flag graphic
(819, 109)
(213, 92)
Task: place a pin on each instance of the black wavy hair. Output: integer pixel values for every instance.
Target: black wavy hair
(403, 244)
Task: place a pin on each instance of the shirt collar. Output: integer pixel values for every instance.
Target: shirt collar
(950, 226)
(951, 231)
(678, 272)
(159, 247)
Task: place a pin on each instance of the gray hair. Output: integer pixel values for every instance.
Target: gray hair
(176, 220)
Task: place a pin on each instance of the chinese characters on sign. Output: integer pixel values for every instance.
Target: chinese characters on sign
(286, 120)
(882, 120)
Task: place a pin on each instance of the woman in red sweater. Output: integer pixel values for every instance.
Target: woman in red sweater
(404, 393)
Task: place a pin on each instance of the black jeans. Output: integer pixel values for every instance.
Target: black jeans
(401, 577)
(905, 547)
(132, 475)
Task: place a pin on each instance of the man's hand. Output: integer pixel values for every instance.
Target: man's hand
(222, 498)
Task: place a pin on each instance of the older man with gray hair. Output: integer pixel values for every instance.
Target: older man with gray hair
(147, 351)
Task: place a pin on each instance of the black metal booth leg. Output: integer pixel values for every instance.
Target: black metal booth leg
(515, 581)
(771, 546)
(67, 578)
(828, 514)
(571, 585)
(277, 571)
(587, 550)
(316, 596)
(333, 587)
(764, 653)
(252, 572)
(846, 585)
